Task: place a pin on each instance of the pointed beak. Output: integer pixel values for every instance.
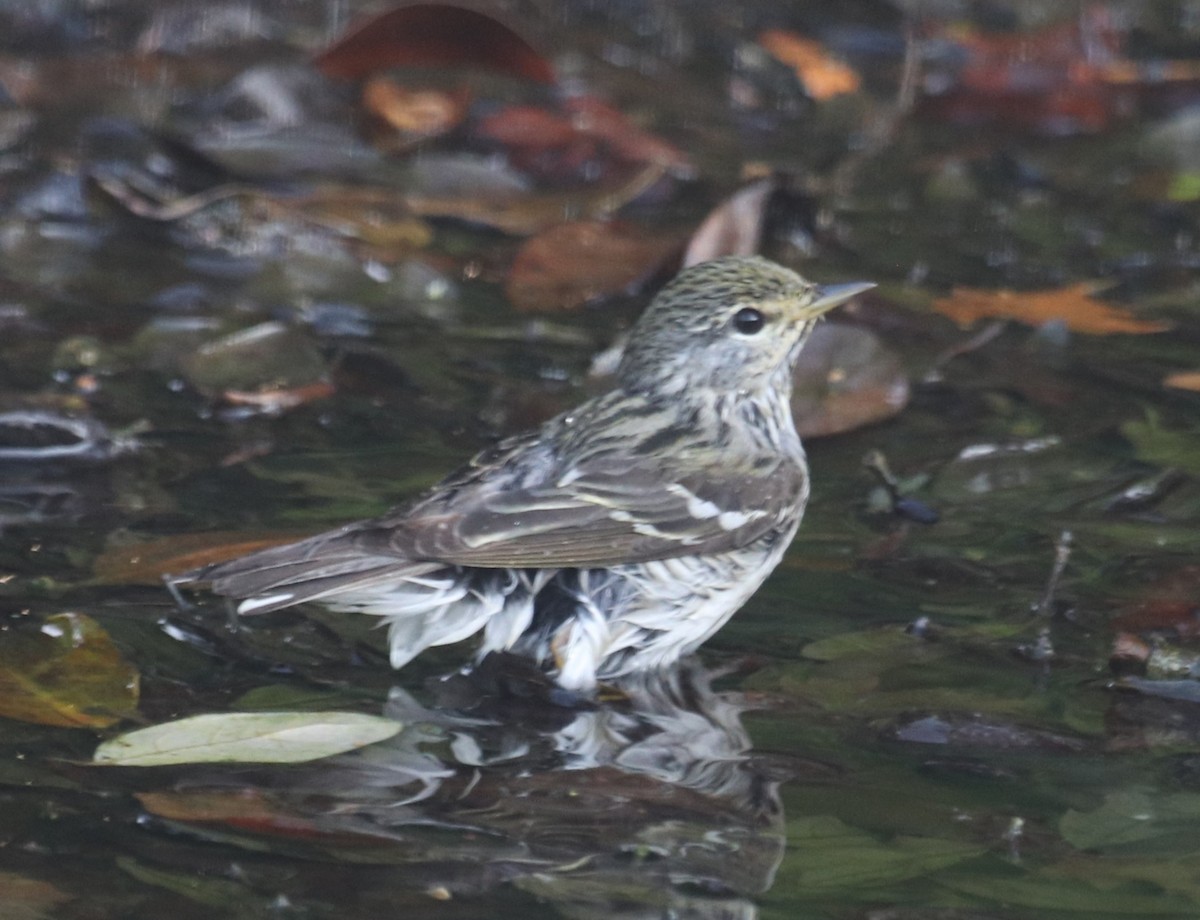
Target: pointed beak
(830, 295)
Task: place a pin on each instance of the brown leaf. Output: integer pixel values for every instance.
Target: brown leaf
(432, 35)
(29, 898)
(1074, 305)
(68, 674)
(523, 214)
(626, 140)
(1185, 380)
(1169, 605)
(571, 264)
(734, 227)
(249, 810)
(846, 378)
(822, 75)
(147, 563)
(527, 126)
(1071, 76)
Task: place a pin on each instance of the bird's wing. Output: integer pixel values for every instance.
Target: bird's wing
(515, 506)
(606, 509)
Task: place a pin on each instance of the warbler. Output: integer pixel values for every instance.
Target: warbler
(621, 534)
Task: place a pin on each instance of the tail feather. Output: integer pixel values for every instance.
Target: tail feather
(310, 570)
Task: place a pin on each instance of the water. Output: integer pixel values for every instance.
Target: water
(824, 757)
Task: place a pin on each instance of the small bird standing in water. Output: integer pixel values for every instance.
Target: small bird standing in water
(621, 534)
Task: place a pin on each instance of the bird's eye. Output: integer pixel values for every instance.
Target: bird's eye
(748, 321)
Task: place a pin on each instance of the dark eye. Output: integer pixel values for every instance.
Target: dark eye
(748, 321)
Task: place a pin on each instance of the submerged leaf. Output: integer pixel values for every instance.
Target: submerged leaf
(521, 213)
(822, 75)
(569, 265)
(1184, 380)
(846, 378)
(1073, 305)
(69, 673)
(1162, 446)
(247, 737)
(829, 854)
(432, 35)
(29, 898)
(263, 357)
(627, 141)
(147, 563)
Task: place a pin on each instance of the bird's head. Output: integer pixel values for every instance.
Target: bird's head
(732, 324)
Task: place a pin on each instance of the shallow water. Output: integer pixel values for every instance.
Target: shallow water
(902, 723)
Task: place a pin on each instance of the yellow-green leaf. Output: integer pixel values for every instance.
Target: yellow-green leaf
(247, 737)
(68, 673)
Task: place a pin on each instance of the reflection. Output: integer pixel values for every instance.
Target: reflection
(647, 803)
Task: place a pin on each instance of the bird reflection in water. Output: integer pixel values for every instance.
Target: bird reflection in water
(647, 803)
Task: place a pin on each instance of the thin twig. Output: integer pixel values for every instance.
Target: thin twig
(1062, 552)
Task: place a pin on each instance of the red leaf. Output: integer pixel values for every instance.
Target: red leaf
(432, 35)
(251, 810)
(1052, 80)
(627, 141)
(527, 126)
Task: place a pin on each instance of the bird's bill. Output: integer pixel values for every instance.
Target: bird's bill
(830, 295)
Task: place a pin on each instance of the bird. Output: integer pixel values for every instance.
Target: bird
(621, 534)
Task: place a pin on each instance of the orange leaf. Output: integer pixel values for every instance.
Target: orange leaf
(1185, 380)
(1074, 305)
(274, 400)
(146, 563)
(823, 75)
(414, 113)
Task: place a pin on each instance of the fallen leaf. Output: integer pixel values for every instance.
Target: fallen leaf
(825, 854)
(572, 264)
(626, 140)
(1185, 380)
(432, 35)
(527, 126)
(251, 810)
(269, 355)
(734, 227)
(1164, 447)
(1050, 80)
(147, 563)
(822, 75)
(846, 378)
(1170, 605)
(1073, 305)
(544, 144)
(68, 673)
(522, 214)
(414, 114)
(246, 737)
(29, 898)
(275, 400)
